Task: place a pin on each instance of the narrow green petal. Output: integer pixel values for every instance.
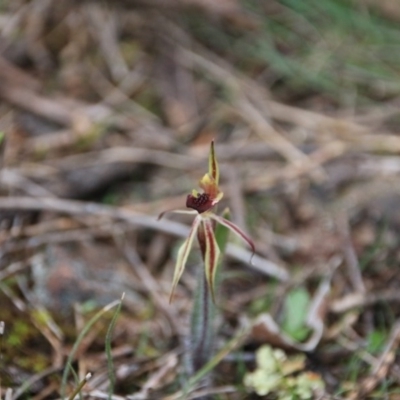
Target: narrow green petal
(183, 254)
(235, 229)
(211, 257)
(213, 168)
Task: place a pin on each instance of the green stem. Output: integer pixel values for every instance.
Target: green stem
(202, 327)
(204, 309)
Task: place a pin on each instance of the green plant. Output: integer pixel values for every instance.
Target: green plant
(212, 233)
(296, 308)
(281, 375)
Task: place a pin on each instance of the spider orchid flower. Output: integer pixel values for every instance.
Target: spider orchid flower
(202, 205)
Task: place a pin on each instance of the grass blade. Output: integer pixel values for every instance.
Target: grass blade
(110, 365)
(79, 339)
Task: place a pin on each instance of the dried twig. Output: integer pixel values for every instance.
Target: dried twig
(351, 259)
(363, 300)
(167, 226)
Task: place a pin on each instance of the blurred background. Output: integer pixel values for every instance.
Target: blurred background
(107, 110)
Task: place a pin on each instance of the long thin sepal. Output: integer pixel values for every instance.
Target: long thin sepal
(235, 229)
(213, 168)
(183, 254)
(211, 257)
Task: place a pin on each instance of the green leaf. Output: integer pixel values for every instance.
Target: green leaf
(376, 341)
(295, 312)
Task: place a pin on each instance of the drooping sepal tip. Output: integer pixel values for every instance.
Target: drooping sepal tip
(236, 230)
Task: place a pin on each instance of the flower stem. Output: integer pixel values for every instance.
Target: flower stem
(202, 327)
(204, 310)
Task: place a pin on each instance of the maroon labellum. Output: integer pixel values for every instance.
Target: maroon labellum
(201, 203)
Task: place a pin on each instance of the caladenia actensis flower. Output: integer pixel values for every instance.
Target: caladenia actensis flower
(203, 206)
